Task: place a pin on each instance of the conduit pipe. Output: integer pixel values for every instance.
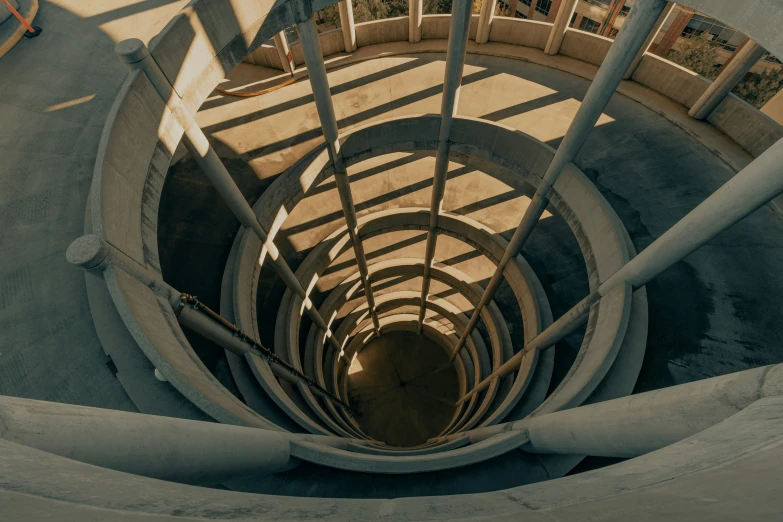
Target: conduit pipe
(92, 253)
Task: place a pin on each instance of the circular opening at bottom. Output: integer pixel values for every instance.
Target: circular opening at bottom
(403, 388)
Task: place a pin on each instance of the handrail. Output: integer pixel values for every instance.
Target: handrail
(260, 350)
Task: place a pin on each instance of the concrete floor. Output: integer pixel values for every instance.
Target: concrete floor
(56, 92)
(404, 389)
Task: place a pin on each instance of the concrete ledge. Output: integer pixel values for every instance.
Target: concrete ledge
(670, 482)
(678, 83)
(431, 448)
(751, 128)
(457, 458)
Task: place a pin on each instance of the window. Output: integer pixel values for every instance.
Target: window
(544, 6)
(526, 2)
(713, 31)
(591, 26)
(573, 19)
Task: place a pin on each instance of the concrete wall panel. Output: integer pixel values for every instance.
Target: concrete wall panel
(678, 83)
(587, 47)
(382, 31)
(752, 129)
(516, 31)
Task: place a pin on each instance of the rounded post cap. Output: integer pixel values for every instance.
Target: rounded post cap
(87, 251)
(131, 50)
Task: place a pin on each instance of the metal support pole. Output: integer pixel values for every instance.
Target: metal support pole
(323, 102)
(455, 63)
(554, 333)
(198, 317)
(628, 42)
(284, 52)
(347, 25)
(650, 37)
(415, 12)
(31, 31)
(135, 55)
(94, 254)
(750, 189)
(727, 79)
(560, 26)
(486, 15)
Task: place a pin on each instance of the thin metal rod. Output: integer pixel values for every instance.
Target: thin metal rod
(455, 63)
(630, 39)
(308, 35)
(248, 344)
(566, 324)
(750, 189)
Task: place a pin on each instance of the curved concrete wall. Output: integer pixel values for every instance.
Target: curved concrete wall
(694, 478)
(519, 161)
(195, 51)
(141, 134)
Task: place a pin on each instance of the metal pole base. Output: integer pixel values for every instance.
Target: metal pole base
(33, 34)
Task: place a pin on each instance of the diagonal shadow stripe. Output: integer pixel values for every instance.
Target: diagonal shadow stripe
(305, 100)
(359, 117)
(526, 106)
(378, 200)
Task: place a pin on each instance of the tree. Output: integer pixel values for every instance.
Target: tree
(701, 57)
(758, 88)
(697, 55)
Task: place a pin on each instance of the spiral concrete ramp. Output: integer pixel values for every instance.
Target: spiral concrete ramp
(436, 271)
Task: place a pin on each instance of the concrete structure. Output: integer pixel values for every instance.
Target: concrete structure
(730, 75)
(423, 309)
